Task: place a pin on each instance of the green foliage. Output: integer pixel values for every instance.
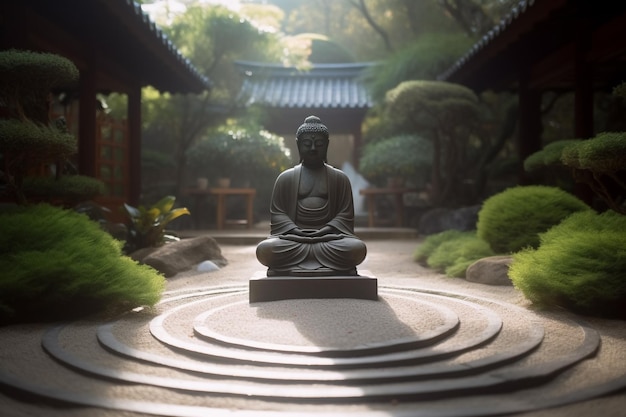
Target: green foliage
(322, 50)
(452, 251)
(549, 156)
(620, 90)
(600, 162)
(446, 114)
(405, 156)
(71, 189)
(426, 105)
(244, 152)
(27, 77)
(147, 224)
(580, 264)
(19, 138)
(212, 37)
(432, 242)
(424, 59)
(240, 152)
(605, 153)
(58, 264)
(513, 219)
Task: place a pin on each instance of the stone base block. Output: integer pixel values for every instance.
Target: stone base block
(264, 288)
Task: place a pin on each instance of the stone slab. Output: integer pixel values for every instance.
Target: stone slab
(263, 288)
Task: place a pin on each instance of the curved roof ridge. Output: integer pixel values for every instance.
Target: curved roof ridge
(164, 40)
(504, 23)
(320, 86)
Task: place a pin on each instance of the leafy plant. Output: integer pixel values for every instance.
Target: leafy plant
(58, 264)
(512, 220)
(147, 225)
(580, 264)
(405, 156)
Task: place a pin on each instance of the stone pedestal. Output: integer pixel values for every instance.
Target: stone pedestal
(263, 288)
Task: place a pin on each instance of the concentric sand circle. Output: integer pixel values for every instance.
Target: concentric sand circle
(210, 351)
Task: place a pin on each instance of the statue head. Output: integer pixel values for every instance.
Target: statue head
(312, 141)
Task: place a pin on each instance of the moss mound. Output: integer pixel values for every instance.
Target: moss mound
(58, 264)
(452, 251)
(513, 219)
(580, 265)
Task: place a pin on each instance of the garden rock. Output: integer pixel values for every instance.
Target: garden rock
(183, 255)
(441, 219)
(492, 270)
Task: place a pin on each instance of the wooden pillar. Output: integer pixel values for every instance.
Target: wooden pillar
(87, 123)
(530, 126)
(583, 91)
(134, 145)
(583, 102)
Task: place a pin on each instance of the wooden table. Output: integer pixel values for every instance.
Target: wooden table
(371, 194)
(220, 194)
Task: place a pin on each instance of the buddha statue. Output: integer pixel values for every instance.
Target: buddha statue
(312, 214)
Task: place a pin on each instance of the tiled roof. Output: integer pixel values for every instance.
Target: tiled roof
(142, 18)
(321, 86)
(118, 32)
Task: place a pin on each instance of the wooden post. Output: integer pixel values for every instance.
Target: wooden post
(134, 145)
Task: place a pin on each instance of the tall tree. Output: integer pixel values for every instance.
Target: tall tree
(212, 38)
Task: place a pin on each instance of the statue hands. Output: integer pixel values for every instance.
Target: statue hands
(324, 234)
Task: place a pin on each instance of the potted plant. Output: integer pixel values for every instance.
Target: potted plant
(397, 160)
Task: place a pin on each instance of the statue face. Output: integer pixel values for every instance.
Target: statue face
(312, 148)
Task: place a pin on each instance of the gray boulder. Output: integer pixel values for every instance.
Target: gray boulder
(183, 255)
(493, 270)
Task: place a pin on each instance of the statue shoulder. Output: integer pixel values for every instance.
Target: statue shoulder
(336, 171)
(286, 175)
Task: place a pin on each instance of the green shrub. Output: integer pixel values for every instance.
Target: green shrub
(605, 153)
(58, 264)
(454, 256)
(580, 264)
(405, 156)
(512, 220)
(432, 242)
(549, 156)
(600, 162)
(72, 189)
(452, 251)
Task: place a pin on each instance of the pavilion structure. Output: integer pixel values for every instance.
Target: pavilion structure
(333, 92)
(549, 45)
(117, 48)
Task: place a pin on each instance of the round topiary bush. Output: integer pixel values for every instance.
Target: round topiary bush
(580, 265)
(57, 264)
(405, 156)
(513, 219)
